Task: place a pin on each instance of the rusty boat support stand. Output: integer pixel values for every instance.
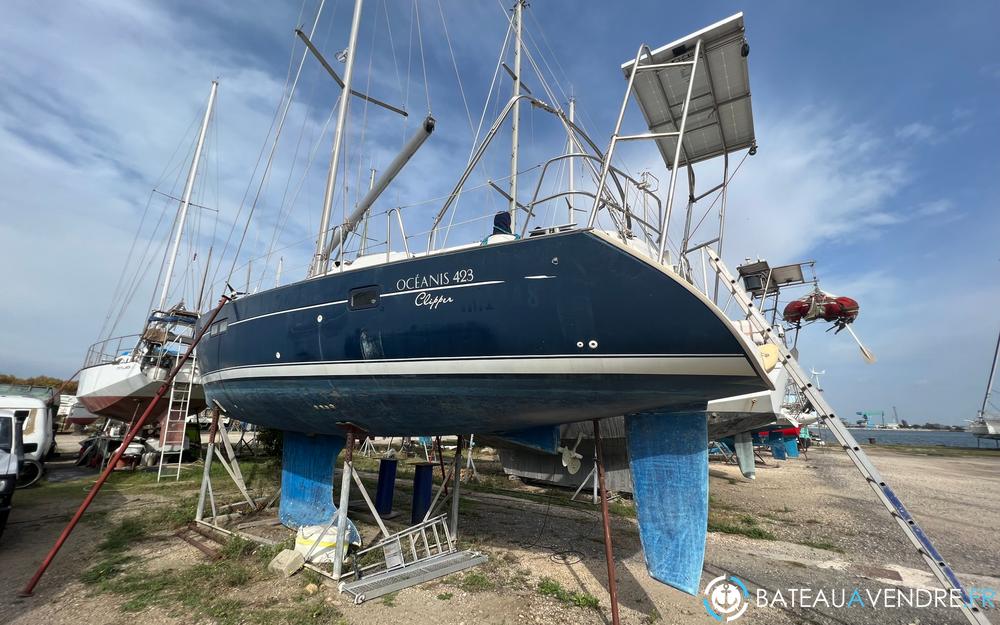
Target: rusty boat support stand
(30, 587)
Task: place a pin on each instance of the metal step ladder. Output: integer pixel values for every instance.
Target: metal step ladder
(937, 565)
(172, 429)
(417, 554)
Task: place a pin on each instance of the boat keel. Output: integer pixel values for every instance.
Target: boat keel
(307, 478)
(668, 454)
(743, 445)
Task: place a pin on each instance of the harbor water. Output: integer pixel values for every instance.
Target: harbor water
(924, 438)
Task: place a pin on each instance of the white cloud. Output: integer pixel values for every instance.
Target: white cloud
(916, 131)
(935, 207)
(815, 179)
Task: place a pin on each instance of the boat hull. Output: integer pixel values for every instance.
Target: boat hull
(541, 331)
(986, 428)
(122, 390)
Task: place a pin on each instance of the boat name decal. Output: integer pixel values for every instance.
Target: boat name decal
(431, 301)
(444, 278)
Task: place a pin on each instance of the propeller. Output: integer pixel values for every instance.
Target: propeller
(865, 352)
(570, 458)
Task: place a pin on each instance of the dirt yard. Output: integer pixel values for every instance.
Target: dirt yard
(802, 523)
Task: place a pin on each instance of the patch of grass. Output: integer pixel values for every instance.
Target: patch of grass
(551, 588)
(237, 547)
(445, 596)
(123, 535)
(939, 450)
(309, 576)
(390, 599)
(476, 582)
(821, 544)
(304, 614)
(622, 508)
(744, 525)
(106, 569)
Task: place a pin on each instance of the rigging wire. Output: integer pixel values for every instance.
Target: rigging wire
(495, 93)
(120, 286)
(274, 145)
(423, 61)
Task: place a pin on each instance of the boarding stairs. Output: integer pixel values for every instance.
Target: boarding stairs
(760, 327)
(417, 554)
(173, 427)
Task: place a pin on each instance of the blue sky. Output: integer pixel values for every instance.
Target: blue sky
(877, 125)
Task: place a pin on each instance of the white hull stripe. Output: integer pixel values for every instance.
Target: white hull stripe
(622, 365)
(281, 312)
(344, 301)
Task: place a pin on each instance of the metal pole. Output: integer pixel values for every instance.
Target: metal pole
(30, 587)
(608, 553)
(345, 501)
(572, 148)
(186, 198)
(204, 279)
(454, 494)
(722, 220)
(680, 143)
(379, 186)
(516, 119)
(614, 139)
(364, 230)
(319, 260)
(277, 274)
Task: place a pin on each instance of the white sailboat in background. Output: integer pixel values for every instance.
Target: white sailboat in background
(122, 374)
(987, 422)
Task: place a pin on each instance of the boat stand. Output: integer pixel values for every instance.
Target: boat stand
(425, 551)
(206, 494)
(886, 496)
(592, 478)
(470, 465)
(368, 448)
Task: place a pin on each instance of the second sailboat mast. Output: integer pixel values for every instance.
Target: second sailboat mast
(186, 199)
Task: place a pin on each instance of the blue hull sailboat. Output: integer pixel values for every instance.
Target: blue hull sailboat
(515, 335)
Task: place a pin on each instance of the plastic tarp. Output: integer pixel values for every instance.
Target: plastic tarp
(668, 454)
(307, 478)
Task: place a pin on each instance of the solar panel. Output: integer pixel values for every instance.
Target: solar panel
(720, 119)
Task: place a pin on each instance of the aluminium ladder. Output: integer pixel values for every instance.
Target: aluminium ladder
(172, 429)
(944, 573)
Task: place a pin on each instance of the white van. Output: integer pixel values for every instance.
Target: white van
(10, 455)
(37, 437)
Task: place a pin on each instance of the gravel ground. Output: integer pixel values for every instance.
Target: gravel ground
(828, 533)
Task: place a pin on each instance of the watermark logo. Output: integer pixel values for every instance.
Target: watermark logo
(726, 598)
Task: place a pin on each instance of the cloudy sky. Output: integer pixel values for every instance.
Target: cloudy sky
(877, 127)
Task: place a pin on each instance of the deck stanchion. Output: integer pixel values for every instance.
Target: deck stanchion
(608, 552)
(30, 587)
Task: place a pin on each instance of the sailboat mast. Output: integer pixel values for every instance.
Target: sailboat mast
(186, 198)
(319, 260)
(515, 114)
(572, 173)
(993, 374)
